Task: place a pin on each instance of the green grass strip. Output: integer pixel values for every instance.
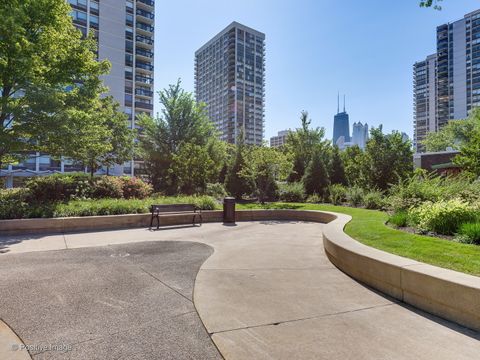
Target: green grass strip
(368, 227)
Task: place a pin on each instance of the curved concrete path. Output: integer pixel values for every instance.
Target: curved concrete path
(269, 292)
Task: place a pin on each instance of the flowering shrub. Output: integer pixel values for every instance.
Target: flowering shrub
(135, 188)
(442, 217)
(107, 187)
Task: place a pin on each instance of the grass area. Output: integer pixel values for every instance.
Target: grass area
(368, 227)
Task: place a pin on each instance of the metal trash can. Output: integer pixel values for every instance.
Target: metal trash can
(229, 210)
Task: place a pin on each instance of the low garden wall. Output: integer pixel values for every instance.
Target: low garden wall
(448, 294)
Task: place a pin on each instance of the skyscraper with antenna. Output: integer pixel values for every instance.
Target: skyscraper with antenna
(341, 124)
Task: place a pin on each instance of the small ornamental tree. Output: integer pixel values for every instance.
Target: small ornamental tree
(235, 184)
(337, 170)
(316, 179)
(263, 167)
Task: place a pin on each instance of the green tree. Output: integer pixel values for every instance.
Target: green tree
(47, 73)
(195, 165)
(302, 143)
(236, 184)
(452, 134)
(469, 157)
(264, 166)
(105, 138)
(388, 159)
(337, 170)
(183, 122)
(353, 159)
(316, 179)
(430, 3)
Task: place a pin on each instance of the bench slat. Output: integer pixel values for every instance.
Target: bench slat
(172, 208)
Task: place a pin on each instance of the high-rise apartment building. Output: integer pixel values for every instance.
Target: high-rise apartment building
(124, 30)
(448, 81)
(341, 125)
(230, 79)
(424, 100)
(280, 139)
(360, 134)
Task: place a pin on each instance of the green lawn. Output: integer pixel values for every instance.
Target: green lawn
(368, 227)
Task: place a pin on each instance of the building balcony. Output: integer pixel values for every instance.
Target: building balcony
(148, 4)
(145, 41)
(145, 16)
(144, 67)
(144, 53)
(143, 92)
(144, 79)
(146, 28)
(143, 105)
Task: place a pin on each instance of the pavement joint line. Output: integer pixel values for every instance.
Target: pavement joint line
(302, 319)
(165, 284)
(65, 241)
(327, 267)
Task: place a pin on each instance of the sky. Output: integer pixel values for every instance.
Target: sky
(364, 49)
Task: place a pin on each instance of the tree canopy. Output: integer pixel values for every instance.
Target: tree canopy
(302, 143)
(180, 147)
(49, 78)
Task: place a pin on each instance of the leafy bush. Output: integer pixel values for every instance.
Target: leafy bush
(442, 217)
(107, 187)
(135, 188)
(13, 203)
(292, 192)
(338, 194)
(354, 195)
(216, 190)
(399, 218)
(374, 200)
(58, 187)
(469, 233)
(314, 199)
(423, 187)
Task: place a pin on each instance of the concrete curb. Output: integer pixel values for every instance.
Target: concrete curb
(446, 293)
(10, 345)
(94, 223)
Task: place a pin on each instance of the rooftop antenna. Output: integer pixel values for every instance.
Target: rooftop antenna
(338, 102)
(343, 102)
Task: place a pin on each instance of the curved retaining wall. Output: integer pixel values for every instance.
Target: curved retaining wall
(449, 294)
(94, 223)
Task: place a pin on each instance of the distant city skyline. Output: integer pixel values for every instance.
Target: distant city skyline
(310, 54)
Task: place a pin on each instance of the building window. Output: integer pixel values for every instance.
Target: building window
(79, 16)
(129, 20)
(79, 3)
(129, 34)
(129, 59)
(94, 21)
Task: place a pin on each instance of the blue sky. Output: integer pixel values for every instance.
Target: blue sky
(314, 48)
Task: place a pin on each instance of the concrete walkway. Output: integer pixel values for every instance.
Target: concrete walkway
(269, 292)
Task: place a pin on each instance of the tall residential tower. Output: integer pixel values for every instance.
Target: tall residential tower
(230, 79)
(124, 30)
(424, 100)
(447, 84)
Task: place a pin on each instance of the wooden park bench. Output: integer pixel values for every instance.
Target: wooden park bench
(173, 209)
